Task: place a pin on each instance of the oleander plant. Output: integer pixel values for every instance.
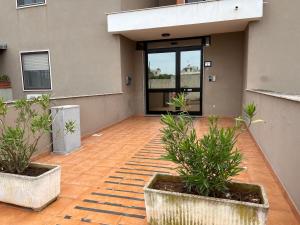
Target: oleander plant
(207, 164)
(19, 140)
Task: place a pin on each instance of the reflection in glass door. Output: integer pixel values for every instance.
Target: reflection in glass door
(190, 78)
(161, 80)
(173, 71)
(162, 70)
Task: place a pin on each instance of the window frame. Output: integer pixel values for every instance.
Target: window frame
(30, 5)
(50, 72)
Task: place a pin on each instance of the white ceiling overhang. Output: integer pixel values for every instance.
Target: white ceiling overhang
(186, 20)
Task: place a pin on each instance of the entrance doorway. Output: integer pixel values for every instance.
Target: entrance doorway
(171, 71)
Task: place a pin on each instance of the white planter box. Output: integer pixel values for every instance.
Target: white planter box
(63, 142)
(171, 208)
(6, 94)
(31, 192)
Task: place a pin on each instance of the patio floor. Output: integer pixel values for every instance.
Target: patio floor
(102, 183)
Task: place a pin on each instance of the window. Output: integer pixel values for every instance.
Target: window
(36, 71)
(22, 3)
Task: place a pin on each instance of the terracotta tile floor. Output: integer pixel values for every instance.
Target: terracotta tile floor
(102, 183)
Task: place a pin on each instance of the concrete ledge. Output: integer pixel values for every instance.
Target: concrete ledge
(291, 97)
(277, 137)
(77, 96)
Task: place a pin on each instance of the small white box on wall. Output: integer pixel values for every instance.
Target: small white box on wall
(64, 142)
(212, 78)
(33, 96)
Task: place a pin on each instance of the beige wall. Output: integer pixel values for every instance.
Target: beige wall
(279, 138)
(224, 97)
(139, 81)
(272, 63)
(138, 4)
(98, 112)
(273, 55)
(77, 39)
(85, 58)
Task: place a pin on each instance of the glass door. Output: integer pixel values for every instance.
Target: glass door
(161, 82)
(190, 78)
(173, 71)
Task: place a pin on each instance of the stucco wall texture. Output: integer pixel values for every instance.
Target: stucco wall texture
(85, 59)
(224, 97)
(278, 138)
(272, 63)
(273, 49)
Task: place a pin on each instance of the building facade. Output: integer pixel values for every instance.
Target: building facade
(119, 58)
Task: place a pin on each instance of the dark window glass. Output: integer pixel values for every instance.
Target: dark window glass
(37, 80)
(30, 2)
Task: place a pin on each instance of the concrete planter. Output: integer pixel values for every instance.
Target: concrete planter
(31, 192)
(170, 208)
(5, 84)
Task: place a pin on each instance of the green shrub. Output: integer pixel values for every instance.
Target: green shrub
(18, 142)
(4, 78)
(161, 76)
(207, 164)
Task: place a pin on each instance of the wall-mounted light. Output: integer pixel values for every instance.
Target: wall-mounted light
(207, 41)
(128, 80)
(140, 46)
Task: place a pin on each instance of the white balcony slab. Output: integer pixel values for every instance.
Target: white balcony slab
(187, 20)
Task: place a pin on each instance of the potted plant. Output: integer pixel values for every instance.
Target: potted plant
(22, 182)
(204, 192)
(4, 82)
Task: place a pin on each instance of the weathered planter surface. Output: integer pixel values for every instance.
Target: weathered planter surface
(31, 192)
(170, 208)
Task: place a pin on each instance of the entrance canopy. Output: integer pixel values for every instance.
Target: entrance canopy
(186, 20)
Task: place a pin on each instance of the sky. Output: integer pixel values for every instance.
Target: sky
(166, 61)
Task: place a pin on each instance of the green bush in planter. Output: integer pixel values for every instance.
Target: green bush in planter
(207, 164)
(4, 78)
(18, 142)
